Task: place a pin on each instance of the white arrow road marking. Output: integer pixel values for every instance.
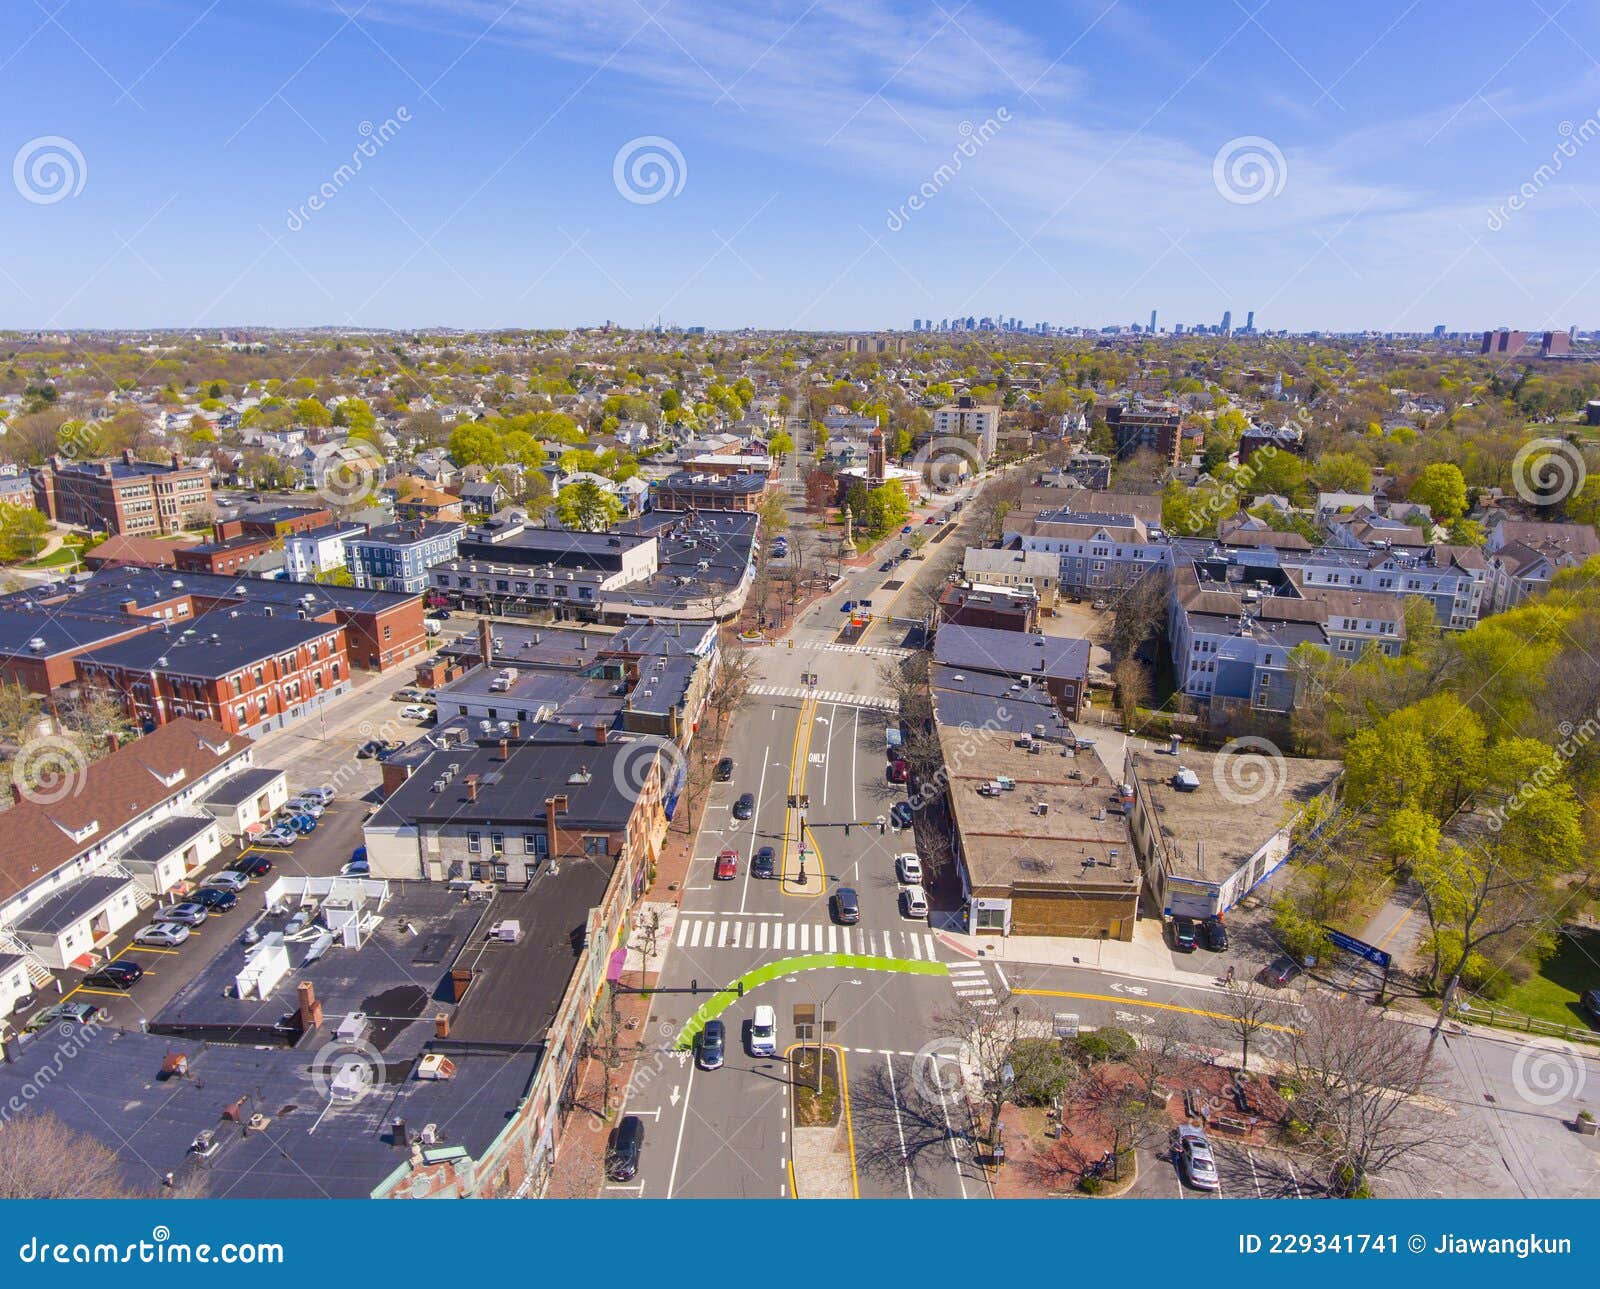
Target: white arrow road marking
(1131, 989)
(673, 1099)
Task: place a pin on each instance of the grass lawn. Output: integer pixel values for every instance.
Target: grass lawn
(813, 1109)
(1553, 993)
(66, 555)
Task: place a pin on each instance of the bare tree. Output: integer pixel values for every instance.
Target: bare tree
(1139, 612)
(988, 1038)
(1362, 1082)
(19, 712)
(1246, 1009)
(42, 1158)
(731, 688)
(649, 932)
(1133, 688)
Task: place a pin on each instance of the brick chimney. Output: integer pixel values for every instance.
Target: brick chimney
(486, 641)
(472, 787)
(600, 735)
(516, 729)
(310, 1010)
(441, 1025)
(553, 806)
(505, 749)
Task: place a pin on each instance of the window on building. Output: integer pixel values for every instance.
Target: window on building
(497, 843)
(596, 845)
(474, 843)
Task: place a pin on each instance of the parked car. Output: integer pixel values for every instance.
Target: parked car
(122, 974)
(1590, 1002)
(846, 906)
(1199, 1164)
(724, 770)
(305, 804)
(886, 566)
(764, 1032)
(215, 899)
(900, 814)
(713, 1039)
(1280, 972)
(416, 712)
(905, 551)
(279, 836)
(899, 772)
(253, 865)
(745, 806)
(162, 935)
(1183, 937)
(764, 863)
(301, 824)
(931, 519)
(68, 1014)
(727, 866)
(356, 865)
(229, 880)
(914, 902)
(1214, 934)
(622, 1154)
(406, 695)
(908, 864)
(371, 748)
(322, 796)
(189, 913)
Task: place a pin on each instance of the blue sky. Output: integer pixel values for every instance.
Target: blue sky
(1064, 158)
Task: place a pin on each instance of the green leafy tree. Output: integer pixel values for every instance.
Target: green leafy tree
(1442, 489)
(584, 506)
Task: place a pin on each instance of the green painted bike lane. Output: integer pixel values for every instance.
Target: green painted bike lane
(720, 1001)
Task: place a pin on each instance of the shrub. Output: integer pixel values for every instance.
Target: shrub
(1090, 1185)
(1104, 1044)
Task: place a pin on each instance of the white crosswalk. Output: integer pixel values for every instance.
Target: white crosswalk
(972, 985)
(877, 651)
(802, 937)
(825, 696)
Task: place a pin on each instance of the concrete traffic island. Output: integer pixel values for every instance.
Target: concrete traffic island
(822, 1163)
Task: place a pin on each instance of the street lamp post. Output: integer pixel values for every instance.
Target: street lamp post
(822, 1011)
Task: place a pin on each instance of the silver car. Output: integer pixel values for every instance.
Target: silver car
(189, 914)
(1199, 1164)
(166, 935)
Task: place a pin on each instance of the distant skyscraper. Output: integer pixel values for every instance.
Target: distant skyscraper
(1438, 331)
(1250, 321)
(1227, 321)
(1152, 322)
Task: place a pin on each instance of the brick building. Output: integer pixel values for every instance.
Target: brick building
(134, 498)
(247, 672)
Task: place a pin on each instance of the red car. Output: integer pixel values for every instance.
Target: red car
(899, 772)
(931, 519)
(727, 866)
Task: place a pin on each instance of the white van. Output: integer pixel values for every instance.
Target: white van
(764, 1032)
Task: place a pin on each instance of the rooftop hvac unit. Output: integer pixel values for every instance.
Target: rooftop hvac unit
(507, 932)
(353, 1028)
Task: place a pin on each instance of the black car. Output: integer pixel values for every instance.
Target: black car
(1280, 972)
(1183, 937)
(846, 906)
(215, 899)
(724, 770)
(1590, 1002)
(764, 863)
(713, 1041)
(1214, 934)
(123, 974)
(886, 566)
(622, 1155)
(900, 814)
(253, 865)
(442, 614)
(369, 749)
(745, 806)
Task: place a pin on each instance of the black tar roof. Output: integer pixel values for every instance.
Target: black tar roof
(212, 648)
(61, 631)
(412, 534)
(1012, 653)
(236, 789)
(157, 843)
(61, 909)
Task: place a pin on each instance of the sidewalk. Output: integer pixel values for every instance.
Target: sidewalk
(1145, 956)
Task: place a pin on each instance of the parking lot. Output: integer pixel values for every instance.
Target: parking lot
(1243, 1172)
(319, 853)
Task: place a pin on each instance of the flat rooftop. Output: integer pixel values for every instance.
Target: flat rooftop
(1077, 842)
(1207, 835)
(517, 988)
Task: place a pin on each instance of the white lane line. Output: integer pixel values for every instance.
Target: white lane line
(722, 935)
(894, 1098)
(831, 941)
(763, 933)
(789, 939)
(761, 788)
(950, 1140)
(1004, 983)
(916, 948)
(683, 932)
(855, 747)
(733, 942)
(694, 940)
(688, 1091)
(933, 948)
